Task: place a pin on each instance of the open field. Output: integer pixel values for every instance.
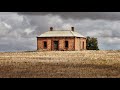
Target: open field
(60, 64)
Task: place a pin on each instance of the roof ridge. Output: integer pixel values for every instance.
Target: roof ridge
(61, 33)
(72, 33)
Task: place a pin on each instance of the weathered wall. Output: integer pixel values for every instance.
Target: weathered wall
(73, 43)
(77, 44)
(40, 43)
(81, 43)
(50, 45)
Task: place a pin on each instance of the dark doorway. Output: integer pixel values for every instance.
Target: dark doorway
(56, 45)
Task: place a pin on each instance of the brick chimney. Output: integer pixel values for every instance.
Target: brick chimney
(72, 28)
(51, 28)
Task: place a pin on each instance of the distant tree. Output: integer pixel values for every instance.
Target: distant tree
(92, 43)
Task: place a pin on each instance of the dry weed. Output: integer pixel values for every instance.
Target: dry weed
(52, 64)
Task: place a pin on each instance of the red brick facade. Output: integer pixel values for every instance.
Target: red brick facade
(74, 43)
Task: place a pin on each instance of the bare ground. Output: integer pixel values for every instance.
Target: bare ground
(60, 64)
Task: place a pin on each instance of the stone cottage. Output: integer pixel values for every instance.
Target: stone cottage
(61, 40)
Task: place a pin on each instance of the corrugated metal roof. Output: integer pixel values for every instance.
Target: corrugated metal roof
(61, 33)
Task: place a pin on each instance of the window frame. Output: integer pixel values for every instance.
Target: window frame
(66, 44)
(45, 45)
(83, 45)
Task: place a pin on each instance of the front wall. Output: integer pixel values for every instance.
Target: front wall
(74, 43)
(40, 43)
(70, 43)
(50, 43)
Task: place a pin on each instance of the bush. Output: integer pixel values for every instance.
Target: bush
(92, 43)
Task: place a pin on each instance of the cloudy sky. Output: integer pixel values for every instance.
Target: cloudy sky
(18, 30)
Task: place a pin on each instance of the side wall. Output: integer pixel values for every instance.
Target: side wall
(79, 44)
(82, 47)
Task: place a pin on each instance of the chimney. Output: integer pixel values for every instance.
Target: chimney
(51, 28)
(72, 28)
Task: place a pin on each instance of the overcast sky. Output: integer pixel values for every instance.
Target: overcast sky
(18, 30)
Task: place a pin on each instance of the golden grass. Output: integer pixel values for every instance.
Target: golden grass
(60, 64)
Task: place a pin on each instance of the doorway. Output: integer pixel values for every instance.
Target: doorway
(56, 44)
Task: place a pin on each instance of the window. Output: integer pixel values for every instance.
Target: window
(45, 44)
(66, 44)
(83, 45)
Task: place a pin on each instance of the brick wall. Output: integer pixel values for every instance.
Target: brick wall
(73, 43)
(81, 43)
(40, 43)
(77, 44)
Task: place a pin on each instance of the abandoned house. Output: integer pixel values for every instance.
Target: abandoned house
(61, 40)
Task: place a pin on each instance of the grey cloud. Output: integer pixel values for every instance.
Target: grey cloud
(79, 15)
(109, 43)
(100, 27)
(13, 44)
(26, 26)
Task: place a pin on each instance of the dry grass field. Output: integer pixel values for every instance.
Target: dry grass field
(60, 64)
